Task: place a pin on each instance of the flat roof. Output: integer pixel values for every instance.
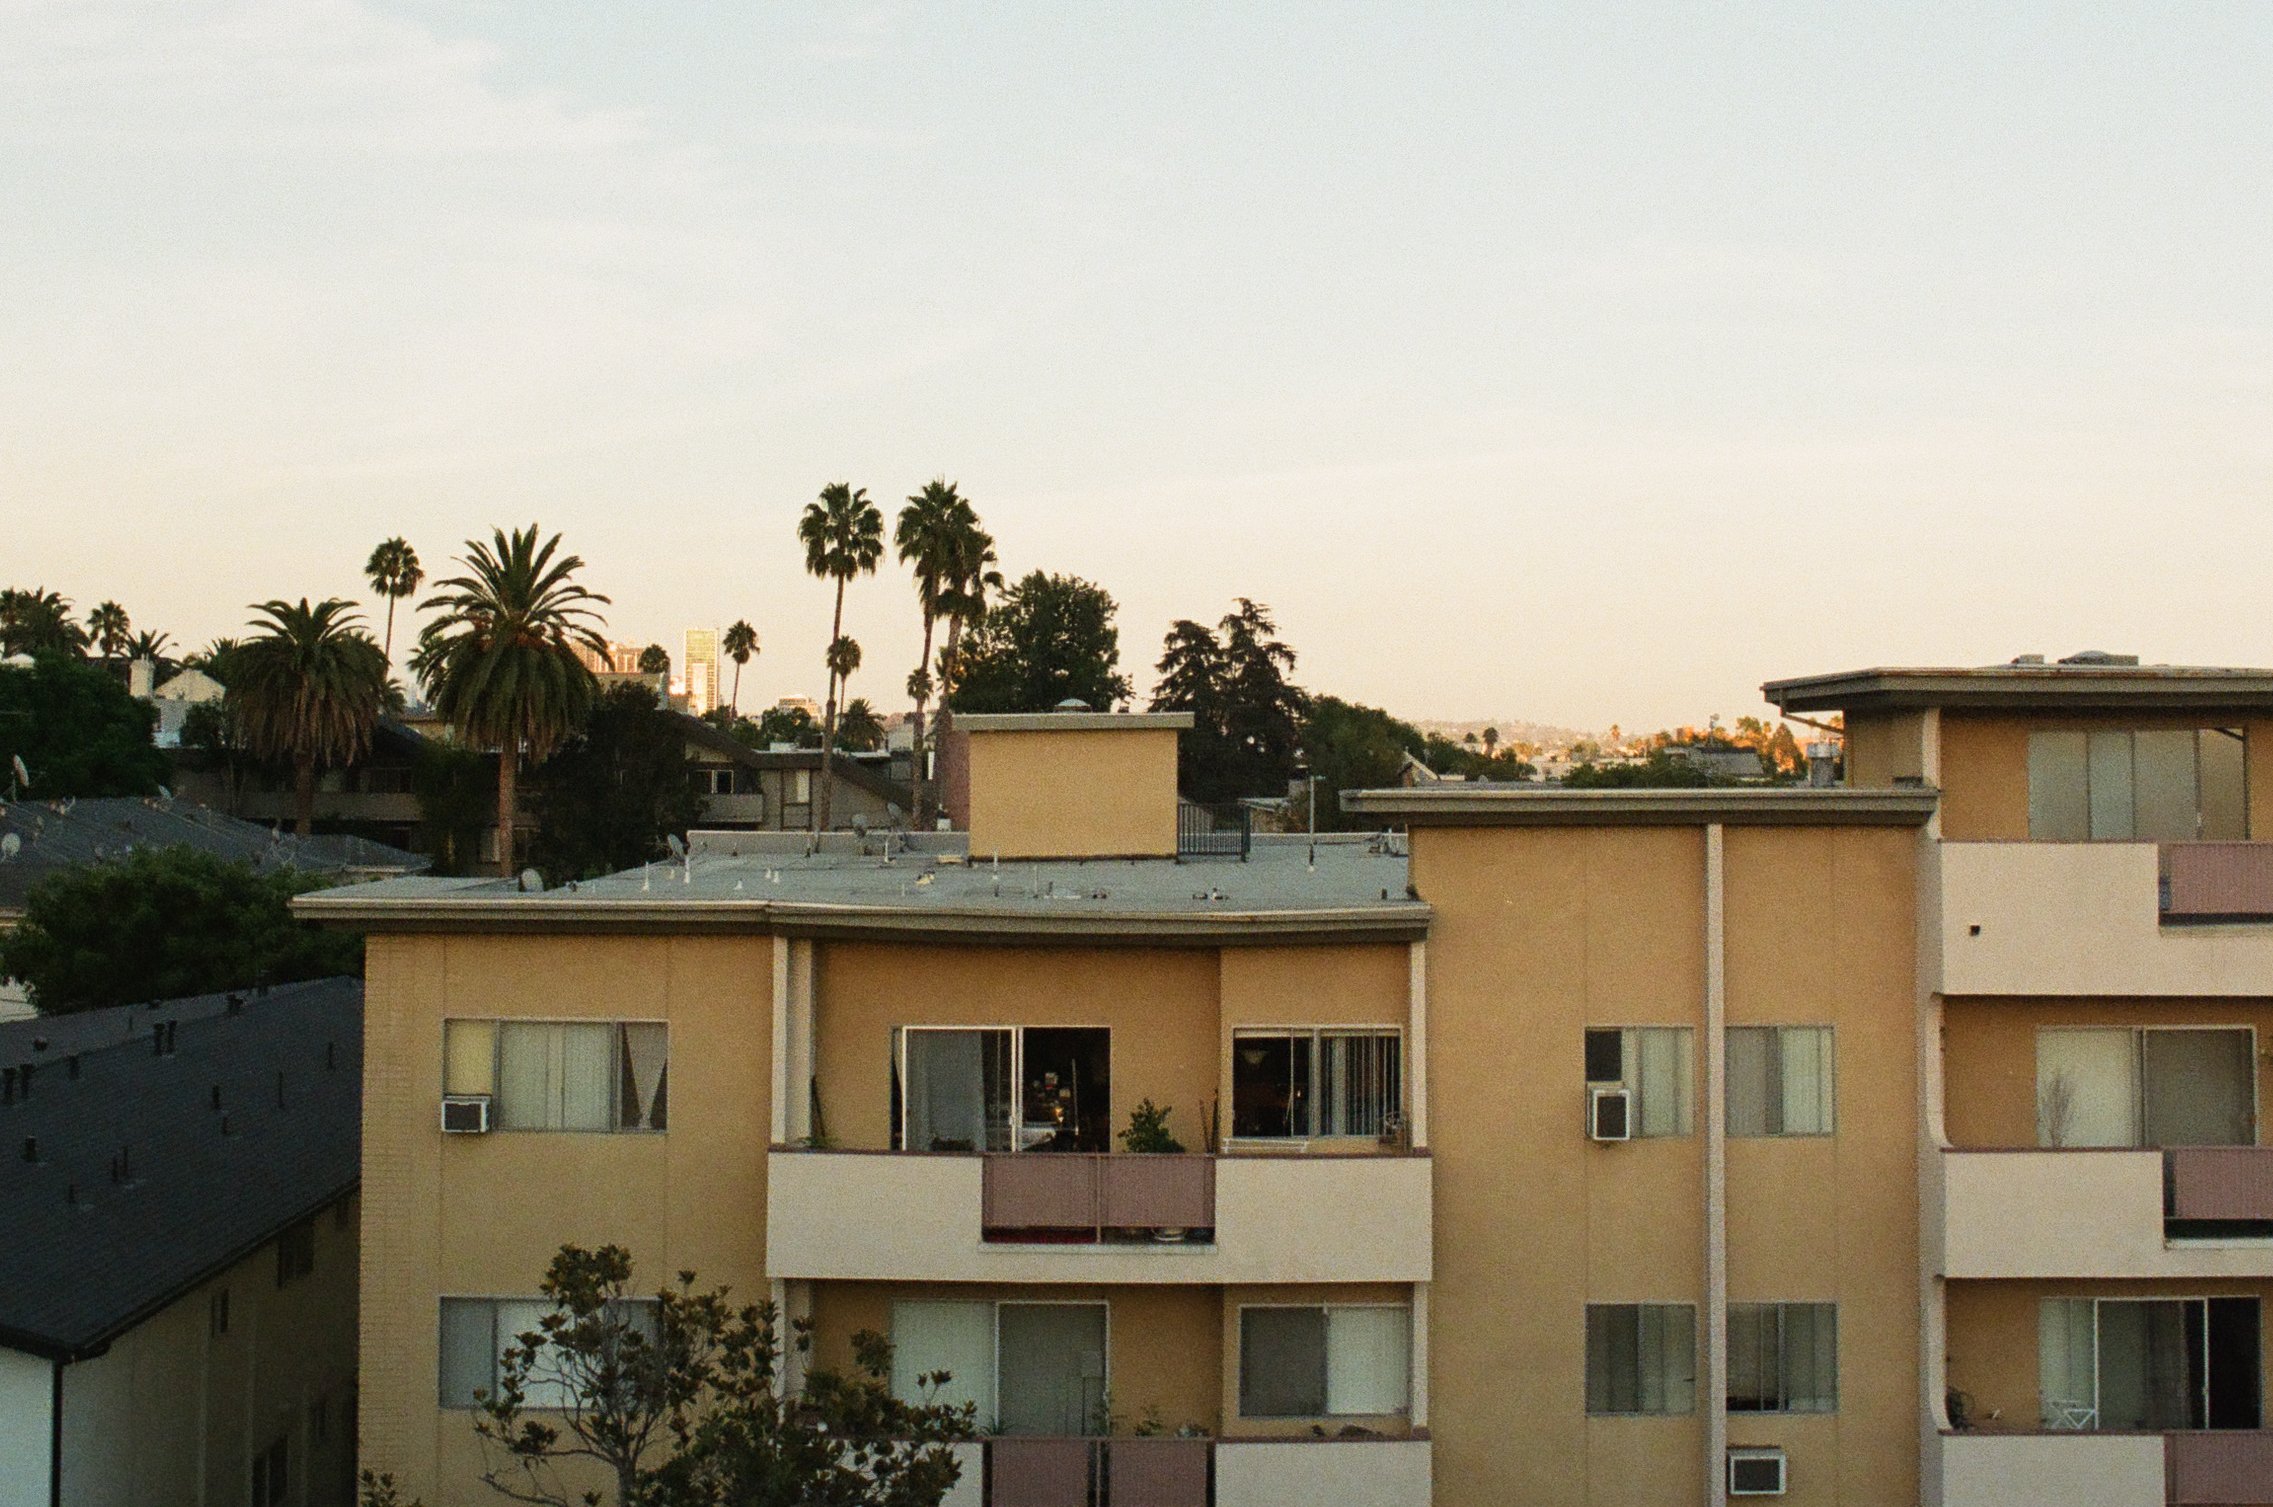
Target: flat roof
(890, 887)
(1069, 722)
(2029, 688)
(1481, 805)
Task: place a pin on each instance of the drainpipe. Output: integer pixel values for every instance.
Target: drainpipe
(1713, 1383)
(55, 1441)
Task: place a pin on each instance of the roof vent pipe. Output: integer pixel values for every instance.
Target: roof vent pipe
(1822, 764)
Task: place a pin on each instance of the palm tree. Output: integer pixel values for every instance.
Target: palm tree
(860, 729)
(930, 534)
(154, 647)
(107, 625)
(843, 535)
(654, 660)
(38, 621)
(394, 573)
(971, 576)
(740, 643)
(500, 664)
(307, 690)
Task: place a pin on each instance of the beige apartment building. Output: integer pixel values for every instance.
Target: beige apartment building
(1875, 1144)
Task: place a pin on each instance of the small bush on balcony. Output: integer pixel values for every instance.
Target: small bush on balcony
(1148, 1130)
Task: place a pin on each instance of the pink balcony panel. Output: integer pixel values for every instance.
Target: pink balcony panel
(1040, 1190)
(2221, 1182)
(2221, 1468)
(1159, 1472)
(1157, 1192)
(2218, 881)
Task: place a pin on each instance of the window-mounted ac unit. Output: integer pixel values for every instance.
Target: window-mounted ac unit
(1610, 1114)
(465, 1114)
(1755, 1472)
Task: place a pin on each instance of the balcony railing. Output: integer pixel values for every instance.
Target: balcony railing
(2059, 1214)
(1045, 1196)
(1100, 1472)
(2219, 1468)
(2216, 881)
(1226, 830)
(1341, 1472)
(2224, 1185)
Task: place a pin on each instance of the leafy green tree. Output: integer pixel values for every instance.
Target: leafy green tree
(306, 691)
(77, 731)
(679, 1401)
(608, 796)
(500, 664)
(108, 629)
(1659, 771)
(162, 923)
(860, 730)
(394, 573)
(1048, 638)
(786, 724)
(843, 535)
(38, 621)
(740, 643)
(1353, 747)
(1246, 735)
(457, 792)
(654, 660)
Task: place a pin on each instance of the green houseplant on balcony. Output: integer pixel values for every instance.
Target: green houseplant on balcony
(1148, 1131)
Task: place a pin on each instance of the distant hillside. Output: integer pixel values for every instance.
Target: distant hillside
(1512, 730)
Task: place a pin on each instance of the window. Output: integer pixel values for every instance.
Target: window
(272, 1475)
(1303, 1084)
(2150, 785)
(1333, 1361)
(1041, 1088)
(800, 788)
(2160, 1086)
(562, 1075)
(217, 1313)
(1783, 1358)
(477, 1331)
(713, 779)
(1779, 1080)
(1027, 1368)
(1656, 1065)
(1641, 1358)
(2149, 1363)
(296, 1253)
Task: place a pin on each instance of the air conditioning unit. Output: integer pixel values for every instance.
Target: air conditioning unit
(465, 1114)
(1610, 1114)
(1755, 1472)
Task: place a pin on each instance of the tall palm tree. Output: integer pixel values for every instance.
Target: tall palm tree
(930, 535)
(971, 577)
(155, 647)
(394, 573)
(860, 729)
(843, 535)
(107, 625)
(654, 660)
(307, 689)
(500, 664)
(740, 643)
(38, 620)
(215, 658)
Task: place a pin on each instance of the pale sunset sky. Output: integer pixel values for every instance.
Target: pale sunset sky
(1583, 363)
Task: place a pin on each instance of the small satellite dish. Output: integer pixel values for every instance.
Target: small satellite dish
(532, 882)
(164, 794)
(23, 775)
(677, 844)
(10, 846)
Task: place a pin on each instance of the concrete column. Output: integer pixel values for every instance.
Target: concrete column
(1417, 1049)
(1712, 1378)
(1933, 1311)
(797, 1045)
(1419, 1411)
(780, 1081)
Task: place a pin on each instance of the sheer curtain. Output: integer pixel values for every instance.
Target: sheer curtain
(946, 1101)
(2067, 1362)
(587, 1089)
(1368, 1360)
(957, 1338)
(1804, 1054)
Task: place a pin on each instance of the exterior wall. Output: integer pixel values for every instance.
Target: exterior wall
(1314, 986)
(1072, 794)
(170, 1402)
(1989, 1053)
(482, 1215)
(2052, 1470)
(1993, 1335)
(1883, 748)
(27, 1423)
(1985, 769)
(2074, 1214)
(1610, 931)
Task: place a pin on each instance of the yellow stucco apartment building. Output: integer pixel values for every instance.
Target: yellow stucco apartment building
(1886, 1142)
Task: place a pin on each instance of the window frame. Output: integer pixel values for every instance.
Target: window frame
(2138, 1079)
(2045, 811)
(1773, 1105)
(615, 1025)
(1017, 1072)
(1782, 1354)
(1317, 1035)
(1326, 1310)
(994, 1307)
(493, 1302)
(1587, 1349)
(1630, 1079)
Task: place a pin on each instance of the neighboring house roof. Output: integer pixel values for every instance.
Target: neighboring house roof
(191, 686)
(142, 1189)
(2089, 682)
(706, 738)
(54, 835)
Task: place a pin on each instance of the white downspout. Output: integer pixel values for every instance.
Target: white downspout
(1714, 1381)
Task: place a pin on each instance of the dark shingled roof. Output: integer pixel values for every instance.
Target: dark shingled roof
(164, 1198)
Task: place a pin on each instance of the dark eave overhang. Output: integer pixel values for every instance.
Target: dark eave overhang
(1775, 806)
(2029, 688)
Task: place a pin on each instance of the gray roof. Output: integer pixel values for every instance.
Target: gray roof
(2088, 683)
(65, 834)
(895, 884)
(1511, 805)
(199, 1188)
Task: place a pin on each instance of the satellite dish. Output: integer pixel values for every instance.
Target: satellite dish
(677, 843)
(164, 794)
(531, 881)
(10, 846)
(23, 775)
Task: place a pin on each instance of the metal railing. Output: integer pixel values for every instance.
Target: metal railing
(1222, 830)
(1050, 1196)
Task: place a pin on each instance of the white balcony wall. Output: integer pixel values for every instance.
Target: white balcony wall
(970, 1488)
(1323, 1473)
(2052, 1470)
(2082, 918)
(863, 1216)
(2073, 1214)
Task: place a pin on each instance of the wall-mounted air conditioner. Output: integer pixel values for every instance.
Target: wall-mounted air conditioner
(1755, 1472)
(1610, 1114)
(465, 1114)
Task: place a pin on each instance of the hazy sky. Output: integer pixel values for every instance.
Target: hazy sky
(1582, 363)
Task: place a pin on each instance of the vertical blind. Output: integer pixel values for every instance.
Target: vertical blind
(1641, 1358)
(1779, 1080)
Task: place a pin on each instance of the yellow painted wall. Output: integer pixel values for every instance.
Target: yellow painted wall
(1882, 748)
(1541, 933)
(1985, 769)
(1073, 794)
(1989, 1053)
(471, 1216)
(1993, 1336)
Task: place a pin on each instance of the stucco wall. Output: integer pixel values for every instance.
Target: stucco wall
(1985, 769)
(481, 1215)
(1882, 748)
(1072, 794)
(27, 1402)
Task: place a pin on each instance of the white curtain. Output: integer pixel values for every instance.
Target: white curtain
(2086, 1088)
(515, 1318)
(1805, 1053)
(524, 1076)
(2067, 1363)
(954, 1337)
(587, 1073)
(1369, 1354)
(1660, 1068)
(945, 1091)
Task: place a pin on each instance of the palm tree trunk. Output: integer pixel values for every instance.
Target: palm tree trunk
(737, 702)
(389, 651)
(304, 796)
(829, 721)
(915, 770)
(508, 757)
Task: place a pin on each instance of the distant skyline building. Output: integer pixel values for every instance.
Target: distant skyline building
(700, 670)
(616, 659)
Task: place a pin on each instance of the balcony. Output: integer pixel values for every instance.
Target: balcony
(1015, 1472)
(2085, 918)
(2212, 1469)
(2103, 1214)
(1059, 1217)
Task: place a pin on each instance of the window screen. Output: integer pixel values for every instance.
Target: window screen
(1779, 1080)
(1641, 1358)
(1282, 1362)
(957, 1338)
